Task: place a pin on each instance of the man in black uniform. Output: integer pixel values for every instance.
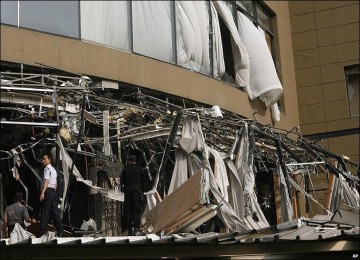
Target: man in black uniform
(132, 178)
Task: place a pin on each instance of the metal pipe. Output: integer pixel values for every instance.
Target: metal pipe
(27, 89)
(306, 163)
(29, 123)
(169, 145)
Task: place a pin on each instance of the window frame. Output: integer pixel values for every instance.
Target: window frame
(350, 71)
(255, 19)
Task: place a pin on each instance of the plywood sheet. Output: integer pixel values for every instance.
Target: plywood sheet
(174, 206)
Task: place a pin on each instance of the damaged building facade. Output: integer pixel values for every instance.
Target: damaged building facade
(217, 99)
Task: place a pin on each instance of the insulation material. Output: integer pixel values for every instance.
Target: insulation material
(264, 82)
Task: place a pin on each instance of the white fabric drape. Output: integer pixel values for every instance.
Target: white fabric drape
(286, 205)
(152, 26)
(264, 82)
(192, 33)
(19, 234)
(226, 181)
(244, 166)
(275, 112)
(192, 138)
(220, 174)
(225, 212)
(240, 53)
(236, 194)
(179, 175)
(218, 53)
(106, 22)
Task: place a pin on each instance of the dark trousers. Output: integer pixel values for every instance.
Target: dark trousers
(50, 210)
(132, 204)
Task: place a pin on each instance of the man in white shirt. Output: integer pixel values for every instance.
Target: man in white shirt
(49, 198)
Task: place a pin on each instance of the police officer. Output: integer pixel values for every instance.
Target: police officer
(133, 179)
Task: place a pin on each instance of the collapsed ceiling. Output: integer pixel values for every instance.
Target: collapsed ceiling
(92, 125)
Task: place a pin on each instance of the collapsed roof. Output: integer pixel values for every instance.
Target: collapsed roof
(248, 175)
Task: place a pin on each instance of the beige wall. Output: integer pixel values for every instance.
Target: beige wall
(325, 38)
(28, 47)
(284, 54)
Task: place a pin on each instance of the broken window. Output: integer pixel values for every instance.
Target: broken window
(229, 75)
(262, 17)
(352, 85)
(58, 17)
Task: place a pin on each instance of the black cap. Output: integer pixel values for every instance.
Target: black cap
(131, 157)
(19, 196)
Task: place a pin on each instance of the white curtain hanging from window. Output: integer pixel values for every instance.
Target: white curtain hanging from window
(264, 82)
(218, 53)
(192, 33)
(240, 55)
(152, 26)
(106, 22)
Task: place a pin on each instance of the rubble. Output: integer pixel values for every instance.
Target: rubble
(201, 161)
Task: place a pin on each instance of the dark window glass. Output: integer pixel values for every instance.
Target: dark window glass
(264, 19)
(229, 75)
(352, 84)
(9, 13)
(58, 17)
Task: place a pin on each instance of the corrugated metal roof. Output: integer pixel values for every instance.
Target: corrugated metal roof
(300, 237)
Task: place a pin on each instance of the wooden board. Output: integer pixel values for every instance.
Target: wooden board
(173, 207)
